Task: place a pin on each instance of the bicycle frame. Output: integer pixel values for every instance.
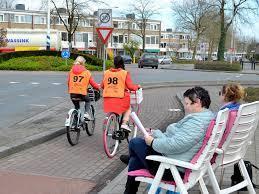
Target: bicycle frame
(79, 116)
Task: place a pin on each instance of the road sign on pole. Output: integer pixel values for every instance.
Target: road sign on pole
(105, 18)
(104, 34)
(65, 54)
(104, 28)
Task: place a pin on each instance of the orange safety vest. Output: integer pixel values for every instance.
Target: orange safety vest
(114, 83)
(78, 83)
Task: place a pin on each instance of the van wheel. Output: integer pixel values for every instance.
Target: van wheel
(156, 67)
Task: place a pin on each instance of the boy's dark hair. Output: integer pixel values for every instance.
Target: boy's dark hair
(119, 62)
(200, 93)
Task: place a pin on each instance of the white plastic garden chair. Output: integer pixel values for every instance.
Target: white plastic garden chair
(233, 146)
(195, 169)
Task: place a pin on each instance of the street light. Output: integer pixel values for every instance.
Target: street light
(48, 28)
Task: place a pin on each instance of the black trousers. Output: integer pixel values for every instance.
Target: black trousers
(84, 98)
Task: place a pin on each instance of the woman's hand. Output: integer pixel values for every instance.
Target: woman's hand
(149, 139)
(149, 130)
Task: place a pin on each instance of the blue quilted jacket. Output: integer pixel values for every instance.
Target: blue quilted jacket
(183, 139)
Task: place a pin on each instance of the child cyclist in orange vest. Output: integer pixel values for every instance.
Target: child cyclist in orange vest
(79, 79)
(116, 85)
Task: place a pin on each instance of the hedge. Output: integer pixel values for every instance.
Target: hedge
(217, 65)
(183, 61)
(44, 63)
(252, 94)
(90, 59)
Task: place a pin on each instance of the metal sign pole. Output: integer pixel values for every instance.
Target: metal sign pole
(103, 57)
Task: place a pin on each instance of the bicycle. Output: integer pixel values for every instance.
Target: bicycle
(113, 135)
(75, 121)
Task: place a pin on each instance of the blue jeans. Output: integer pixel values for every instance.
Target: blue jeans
(137, 152)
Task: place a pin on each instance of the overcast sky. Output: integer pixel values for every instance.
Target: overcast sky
(165, 14)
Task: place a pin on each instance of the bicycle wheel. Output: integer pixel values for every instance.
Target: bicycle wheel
(110, 126)
(73, 130)
(90, 125)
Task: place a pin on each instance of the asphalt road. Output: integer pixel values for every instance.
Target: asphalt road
(24, 94)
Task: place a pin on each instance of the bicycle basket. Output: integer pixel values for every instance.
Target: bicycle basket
(136, 97)
(97, 95)
(91, 94)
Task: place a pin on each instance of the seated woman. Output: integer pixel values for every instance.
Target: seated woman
(230, 95)
(181, 141)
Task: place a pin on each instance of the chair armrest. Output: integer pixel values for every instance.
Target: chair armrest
(219, 151)
(171, 161)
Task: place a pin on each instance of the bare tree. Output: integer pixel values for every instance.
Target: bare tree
(3, 33)
(228, 10)
(74, 11)
(6, 4)
(192, 16)
(143, 11)
(212, 33)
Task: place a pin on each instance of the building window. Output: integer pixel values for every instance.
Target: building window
(64, 36)
(1, 18)
(121, 25)
(157, 39)
(79, 37)
(115, 24)
(115, 39)
(133, 26)
(153, 40)
(39, 20)
(147, 40)
(126, 38)
(28, 19)
(120, 38)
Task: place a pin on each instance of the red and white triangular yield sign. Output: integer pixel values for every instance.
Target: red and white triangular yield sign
(104, 33)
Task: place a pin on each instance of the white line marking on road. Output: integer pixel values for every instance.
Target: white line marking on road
(23, 95)
(35, 83)
(38, 105)
(14, 82)
(57, 97)
(56, 84)
(237, 75)
(174, 110)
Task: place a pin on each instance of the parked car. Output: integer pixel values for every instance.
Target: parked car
(164, 59)
(148, 60)
(127, 59)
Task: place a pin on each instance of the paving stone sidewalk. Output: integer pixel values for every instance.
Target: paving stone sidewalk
(86, 162)
(117, 186)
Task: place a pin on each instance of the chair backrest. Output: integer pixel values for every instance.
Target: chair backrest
(236, 144)
(211, 141)
(230, 123)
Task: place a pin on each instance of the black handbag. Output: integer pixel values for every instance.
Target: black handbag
(237, 177)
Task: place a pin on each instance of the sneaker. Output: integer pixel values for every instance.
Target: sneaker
(125, 127)
(125, 159)
(87, 116)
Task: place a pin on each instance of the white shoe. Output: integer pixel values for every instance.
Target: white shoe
(125, 127)
(87, 116)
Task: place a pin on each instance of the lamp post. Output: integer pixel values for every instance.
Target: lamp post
(48, 28)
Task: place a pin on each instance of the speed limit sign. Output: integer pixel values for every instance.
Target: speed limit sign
(105, 17)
